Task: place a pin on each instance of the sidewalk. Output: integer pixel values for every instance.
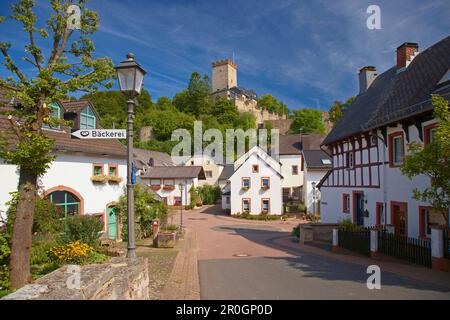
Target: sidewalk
(400, 268)
(183, 283)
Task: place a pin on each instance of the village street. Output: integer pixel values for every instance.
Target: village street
(241, 259)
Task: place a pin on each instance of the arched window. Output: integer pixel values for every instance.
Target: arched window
(87, 119)
(68, 201)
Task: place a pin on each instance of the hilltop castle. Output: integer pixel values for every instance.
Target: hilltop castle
(224, 84)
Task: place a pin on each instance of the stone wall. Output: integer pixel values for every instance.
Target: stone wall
(119, 279)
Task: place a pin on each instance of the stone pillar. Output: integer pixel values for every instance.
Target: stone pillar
(373, 243)
(437, 250)
(335, 240)
(155, 230)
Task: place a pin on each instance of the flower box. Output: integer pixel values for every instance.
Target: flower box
(265, 187)
(114, 179)
(155, 187)
(99, 178)
(245, 188)
(166, 239)
(168, 187)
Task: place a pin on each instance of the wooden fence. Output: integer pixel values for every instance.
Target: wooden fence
(355, 240)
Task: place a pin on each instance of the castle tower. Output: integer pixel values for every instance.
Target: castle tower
(224, 75)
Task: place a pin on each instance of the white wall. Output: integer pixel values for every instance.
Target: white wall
(73, 171)
(310, 177)
(176, 192)
(393, 186)
(208, 165)
(255, 193)
(290, 180)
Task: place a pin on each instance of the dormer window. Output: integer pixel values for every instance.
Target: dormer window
(87, 119)
(56, 113)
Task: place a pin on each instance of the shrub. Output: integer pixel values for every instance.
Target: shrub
(349, 225)
(296, 231)
(262, 217)
(301, 207)
(39, 252)
(75, 252)
(82, 228)
(169, 228)
(146, 209)
(5, 252)
(47, 218)
(195, 198)
(209, 194)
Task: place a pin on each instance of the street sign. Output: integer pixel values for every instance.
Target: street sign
(100, 134)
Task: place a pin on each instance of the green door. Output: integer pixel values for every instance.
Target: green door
(112, 223)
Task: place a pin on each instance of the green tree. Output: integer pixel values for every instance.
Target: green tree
(225, 112)
(68, 67)
(270, 103)
(196, 99)
(146, 209)
(338, 108)
(307, 121)
(432, 160)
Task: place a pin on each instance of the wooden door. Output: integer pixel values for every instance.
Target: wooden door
(400, 217)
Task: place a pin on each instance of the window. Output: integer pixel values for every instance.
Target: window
(177, 201)
(112, 170)
(396, 149)
(379, 213)
(265, 205)
(350, 159)
(265, 183)
(208, 174)
(295, 170)
(56, 113)
(227, 200)
(87, 119)
(346, 203)
(155, 182)
(245, 183)
(255, 168)
(97, 169)
(169, 184)
(246, 205)
(429, 219)
(429, 133)
(66, 200)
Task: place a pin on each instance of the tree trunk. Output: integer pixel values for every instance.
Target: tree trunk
(19, 264)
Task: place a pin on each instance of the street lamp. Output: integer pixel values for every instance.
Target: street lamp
(314, 197)
(131, 78)
(181, 186)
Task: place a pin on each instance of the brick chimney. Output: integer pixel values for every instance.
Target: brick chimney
(366, 76)
(405, 54)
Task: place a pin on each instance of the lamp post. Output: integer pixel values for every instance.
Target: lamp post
(181, 185)
(314, 197)
(131, 77)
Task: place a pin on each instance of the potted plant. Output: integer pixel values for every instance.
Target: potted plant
(99, 178)
(167, 236)
(114, 179)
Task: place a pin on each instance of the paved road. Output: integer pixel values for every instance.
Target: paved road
(240, 259)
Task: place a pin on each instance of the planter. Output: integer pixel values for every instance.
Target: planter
(155, 187)
(166, 239)
(114, 179)
(168, 188)
(99, 178)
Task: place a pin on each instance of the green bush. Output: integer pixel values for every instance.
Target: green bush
(301, 207)
(5, 252)
(195, 198)
(296, 231)
(47, 217)
(169, 227)
(39, 252)
(209, 194)
(83, 228)
(261, 217)
(146, 209)
(349, 225)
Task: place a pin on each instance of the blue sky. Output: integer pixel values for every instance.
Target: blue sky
(306, 53)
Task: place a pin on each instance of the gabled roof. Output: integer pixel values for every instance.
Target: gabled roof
(227, 172)
(292, 144)
(261, 154)
(317, 159)
(394, 96)
(174, 173)
(142, 158)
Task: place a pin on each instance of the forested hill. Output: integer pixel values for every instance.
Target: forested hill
(166, 114)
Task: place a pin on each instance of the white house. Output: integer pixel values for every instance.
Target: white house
(255, 185)
(172, 184)
(87, 177)
(316, 165)
(368, 144)
(292, 167)
(211, 169)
